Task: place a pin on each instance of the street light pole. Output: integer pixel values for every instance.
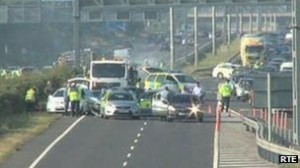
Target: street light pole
(76, 33)
(172, 49)
(196, 35)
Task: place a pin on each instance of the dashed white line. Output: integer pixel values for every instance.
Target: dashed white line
(125, 164)
(136, 140)
(60, 137)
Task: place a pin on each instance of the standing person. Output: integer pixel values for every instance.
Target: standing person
(66, 99)
(165, 93)
(225, 92)
(49, 89)
(199, 92)
(138, 83)
(74, 99)
(30, 99)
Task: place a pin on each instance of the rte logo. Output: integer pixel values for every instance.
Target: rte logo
(288, 158)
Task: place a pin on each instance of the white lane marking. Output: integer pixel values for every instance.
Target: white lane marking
(60, 137)
(125, 164)
(131, 147)
(145, 123)
(216, 148)
(138, 135)
(136, 141)
(142, 129)
(129, 155)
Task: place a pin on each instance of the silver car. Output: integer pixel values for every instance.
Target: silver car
(119, 103)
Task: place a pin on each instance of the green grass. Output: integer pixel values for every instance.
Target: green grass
(223, 54)
(17, 129)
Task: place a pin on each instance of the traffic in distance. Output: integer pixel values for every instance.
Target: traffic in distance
(259, 54)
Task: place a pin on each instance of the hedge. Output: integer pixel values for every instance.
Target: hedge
(13, 91)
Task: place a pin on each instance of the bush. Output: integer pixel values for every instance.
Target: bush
(13, 91)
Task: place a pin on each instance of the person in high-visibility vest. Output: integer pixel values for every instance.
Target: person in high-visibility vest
(225, 92)
(30, 99)
(74, 99)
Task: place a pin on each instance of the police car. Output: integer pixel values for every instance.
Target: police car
(175, 81)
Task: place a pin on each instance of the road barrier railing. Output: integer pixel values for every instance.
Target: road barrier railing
(280, 145)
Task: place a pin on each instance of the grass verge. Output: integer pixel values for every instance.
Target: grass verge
(17, 129)
(223, 54)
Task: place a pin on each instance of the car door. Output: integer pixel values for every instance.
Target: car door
(159, 107)
(145, 102)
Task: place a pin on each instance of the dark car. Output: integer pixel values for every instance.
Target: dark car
(177, 106)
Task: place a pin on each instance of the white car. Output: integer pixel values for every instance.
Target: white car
(56, 103)
(119, 103)
(224, 70)
(286, 67)
(243, 88)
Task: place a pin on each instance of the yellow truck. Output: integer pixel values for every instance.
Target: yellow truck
(252, 49)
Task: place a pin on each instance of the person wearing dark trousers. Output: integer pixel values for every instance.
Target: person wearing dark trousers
(225, 92)
(74, 99)
(66, 100)
(30, 99)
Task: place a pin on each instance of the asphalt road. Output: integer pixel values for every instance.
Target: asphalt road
(94, 142)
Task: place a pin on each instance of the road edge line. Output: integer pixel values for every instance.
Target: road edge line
(53, 143)
(216, 147)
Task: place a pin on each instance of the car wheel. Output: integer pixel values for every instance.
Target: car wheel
(220, 75)
(169, 119)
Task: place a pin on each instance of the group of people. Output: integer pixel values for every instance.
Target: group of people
(197, 91)
(73, 96)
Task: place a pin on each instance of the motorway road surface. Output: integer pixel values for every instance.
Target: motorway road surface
(95, 143)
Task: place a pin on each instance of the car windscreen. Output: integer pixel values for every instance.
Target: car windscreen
(180, 99)
(153, 70)
(108, 70)
(120, 97)
(254, 49)
(185, 79)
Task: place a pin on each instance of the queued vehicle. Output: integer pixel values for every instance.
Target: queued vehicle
(224, 70)
(56, 103)
(177, 106)
(243, 88)
(175, 81)
(119, 103)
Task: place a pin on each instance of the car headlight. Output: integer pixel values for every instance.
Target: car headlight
(171, 108)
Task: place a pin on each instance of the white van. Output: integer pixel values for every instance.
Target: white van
(286, 67)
